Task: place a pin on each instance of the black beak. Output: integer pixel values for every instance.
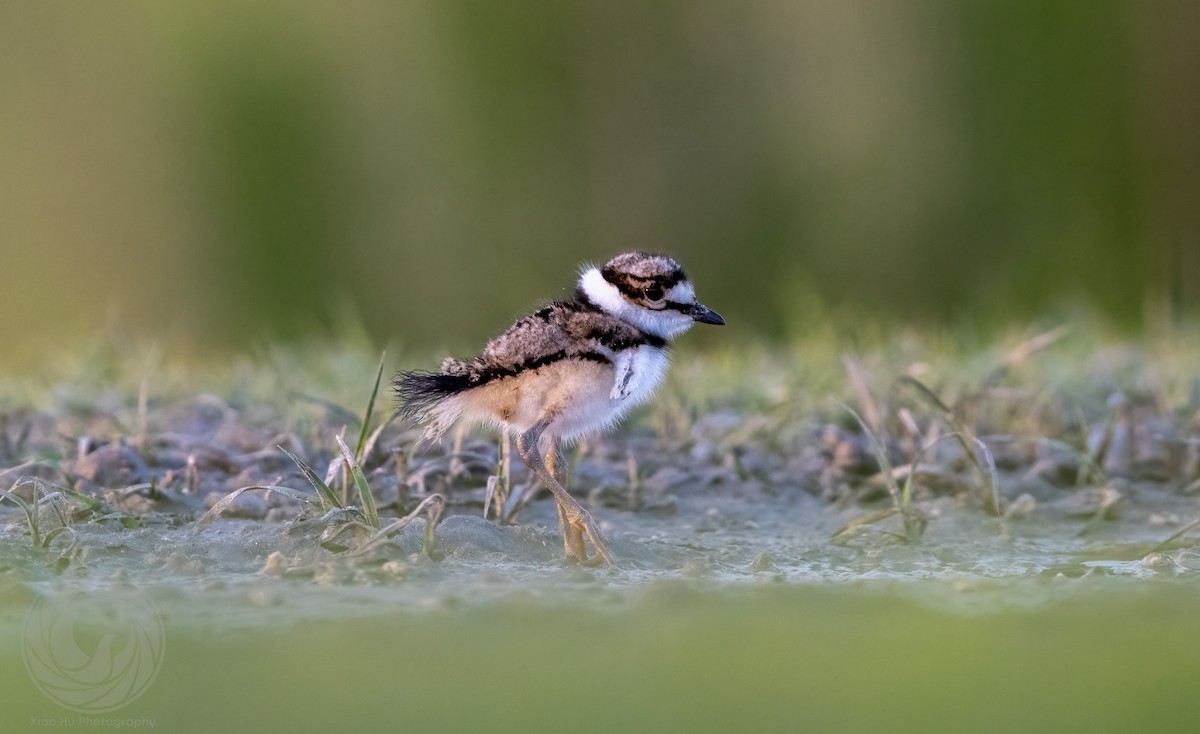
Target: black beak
(702, 314)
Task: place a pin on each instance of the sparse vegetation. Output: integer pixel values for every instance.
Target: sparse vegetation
(1065, 425)
(361, 521)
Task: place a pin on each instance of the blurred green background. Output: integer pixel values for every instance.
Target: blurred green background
(221, 172)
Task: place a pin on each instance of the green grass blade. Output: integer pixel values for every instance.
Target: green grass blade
(432, 506)
(1166, 544)
(913, 521)
(966, 440)
(851, 528)
(56, 503)
(60, 530)
(30, 511)
(374, 437)
(360, 482)
(366, 421)
(880, 451)
(329, 499)
(930, 396)
(988, 468)
(85, 501)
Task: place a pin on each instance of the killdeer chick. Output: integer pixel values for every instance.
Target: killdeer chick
(571, 369)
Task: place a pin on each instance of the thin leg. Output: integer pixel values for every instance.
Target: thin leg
(558, 469)
(579, 521)
(573, 535)
(564, 527)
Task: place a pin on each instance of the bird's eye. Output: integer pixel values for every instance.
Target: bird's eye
(653, 293)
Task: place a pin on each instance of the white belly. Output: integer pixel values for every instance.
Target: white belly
(575, 396)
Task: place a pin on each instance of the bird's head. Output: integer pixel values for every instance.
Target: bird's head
(649, 291)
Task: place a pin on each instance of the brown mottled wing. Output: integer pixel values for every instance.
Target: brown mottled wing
(562, 330)
(531, 339)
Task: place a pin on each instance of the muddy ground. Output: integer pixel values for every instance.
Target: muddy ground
(1017, 473)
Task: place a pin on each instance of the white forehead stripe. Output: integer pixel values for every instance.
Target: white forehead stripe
(682, 292)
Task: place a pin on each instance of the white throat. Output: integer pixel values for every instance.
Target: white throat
(666, 324)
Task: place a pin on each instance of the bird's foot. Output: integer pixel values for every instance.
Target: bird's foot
(577, 524)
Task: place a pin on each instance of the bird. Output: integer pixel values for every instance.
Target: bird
(571, 369)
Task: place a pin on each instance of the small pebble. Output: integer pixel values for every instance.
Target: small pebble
(1160, 562)
(276, 563)
(1022, 506)
(762, 562)
(181, 563)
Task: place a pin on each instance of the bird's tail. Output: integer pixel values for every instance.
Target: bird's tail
(430, 395)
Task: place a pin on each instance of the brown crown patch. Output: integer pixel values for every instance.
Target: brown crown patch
(633, 272)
